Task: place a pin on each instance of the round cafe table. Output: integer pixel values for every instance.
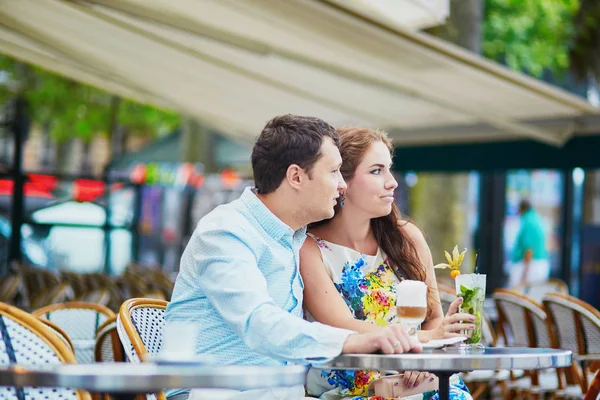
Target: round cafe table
(447, 361)
(125, 380)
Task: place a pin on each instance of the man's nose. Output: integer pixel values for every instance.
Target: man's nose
(342, 184)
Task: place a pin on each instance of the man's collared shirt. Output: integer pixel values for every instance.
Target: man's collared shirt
(239, 282)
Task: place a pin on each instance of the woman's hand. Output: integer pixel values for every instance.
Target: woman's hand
(454, 322)
(415, 378)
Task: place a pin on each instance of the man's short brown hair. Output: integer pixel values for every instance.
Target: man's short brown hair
(284, 141)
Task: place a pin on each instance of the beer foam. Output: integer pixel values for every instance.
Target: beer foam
(411, 294)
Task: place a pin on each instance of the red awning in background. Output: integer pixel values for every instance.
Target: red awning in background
(31, 189)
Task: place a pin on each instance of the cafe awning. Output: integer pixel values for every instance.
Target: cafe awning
(235, 64)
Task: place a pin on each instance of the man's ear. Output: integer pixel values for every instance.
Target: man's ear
(295, 176)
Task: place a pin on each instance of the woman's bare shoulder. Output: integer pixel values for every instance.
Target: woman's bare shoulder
(414, 233)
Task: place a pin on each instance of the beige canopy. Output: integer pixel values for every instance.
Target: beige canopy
(236, 63)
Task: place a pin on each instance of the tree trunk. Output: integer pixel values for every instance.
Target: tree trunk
(86, 159)
(439, 201)
(197, 144)
(591, 198)
(47, 147)
(63, 157)
(464, 25)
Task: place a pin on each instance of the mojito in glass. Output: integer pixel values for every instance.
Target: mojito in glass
(471, 287)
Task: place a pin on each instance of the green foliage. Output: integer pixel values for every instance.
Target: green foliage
(140, 118)
(472, 304)
(531, 35)
(72, 109)
(585, 50)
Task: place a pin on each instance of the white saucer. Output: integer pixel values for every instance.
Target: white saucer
(437, 343)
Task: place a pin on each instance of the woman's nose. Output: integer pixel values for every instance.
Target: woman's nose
(391, 182)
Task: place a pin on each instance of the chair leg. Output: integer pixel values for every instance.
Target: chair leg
(503, 388)
(480, 389)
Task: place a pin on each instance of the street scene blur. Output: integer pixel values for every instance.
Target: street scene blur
(124, 123)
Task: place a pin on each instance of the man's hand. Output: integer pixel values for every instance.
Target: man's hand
(392, 339)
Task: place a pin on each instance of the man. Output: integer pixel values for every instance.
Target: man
(529, 255)
(239, 280)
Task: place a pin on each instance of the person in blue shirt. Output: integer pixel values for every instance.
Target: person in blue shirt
(529, 255)
(239, 279)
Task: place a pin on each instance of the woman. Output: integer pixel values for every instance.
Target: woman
(355, 259)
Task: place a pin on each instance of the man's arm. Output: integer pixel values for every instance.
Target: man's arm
(229, 277)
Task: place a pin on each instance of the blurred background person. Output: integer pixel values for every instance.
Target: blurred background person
(529, 255)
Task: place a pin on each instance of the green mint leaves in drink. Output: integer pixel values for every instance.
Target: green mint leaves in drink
(472, 299)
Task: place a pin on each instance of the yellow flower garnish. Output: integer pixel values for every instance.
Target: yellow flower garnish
(454, 260)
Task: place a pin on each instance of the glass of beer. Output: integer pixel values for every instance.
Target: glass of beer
(411, 305)
(471, 287)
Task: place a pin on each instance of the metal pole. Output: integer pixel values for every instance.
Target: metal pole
(567, 222)
(492, 210)
(19, 128)
(135, 228)
(107, 227)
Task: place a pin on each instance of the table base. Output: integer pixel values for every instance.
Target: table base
(444, 383)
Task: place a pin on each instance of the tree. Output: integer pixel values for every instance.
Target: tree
(69, 109)
(530, 36)
(585, 48)
(438, 201)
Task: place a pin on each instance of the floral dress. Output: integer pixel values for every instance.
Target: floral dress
(367, 284)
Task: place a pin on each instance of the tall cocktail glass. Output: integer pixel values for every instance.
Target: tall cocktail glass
(471, 287)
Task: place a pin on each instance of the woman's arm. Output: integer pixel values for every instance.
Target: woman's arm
(436, 326)
(321, 298)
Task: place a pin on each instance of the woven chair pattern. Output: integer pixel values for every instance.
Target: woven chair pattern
(150, 324)
(515, 318)
(539, 321)
(581, 320)
(105, 342)
(540, 326)
(60, 333)
(130, 353)
(565, 326)
(81, 325)
(106, 348)
(29, 349)
(591, 332)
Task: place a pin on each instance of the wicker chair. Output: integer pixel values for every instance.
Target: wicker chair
(537, 290)
(577, 328)
(593, 392)
(9, 287)
(140, 325)
(58, 331)
(477, 381)
(80, 320)
(27, 340)
(108, 346)
(524, 323)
